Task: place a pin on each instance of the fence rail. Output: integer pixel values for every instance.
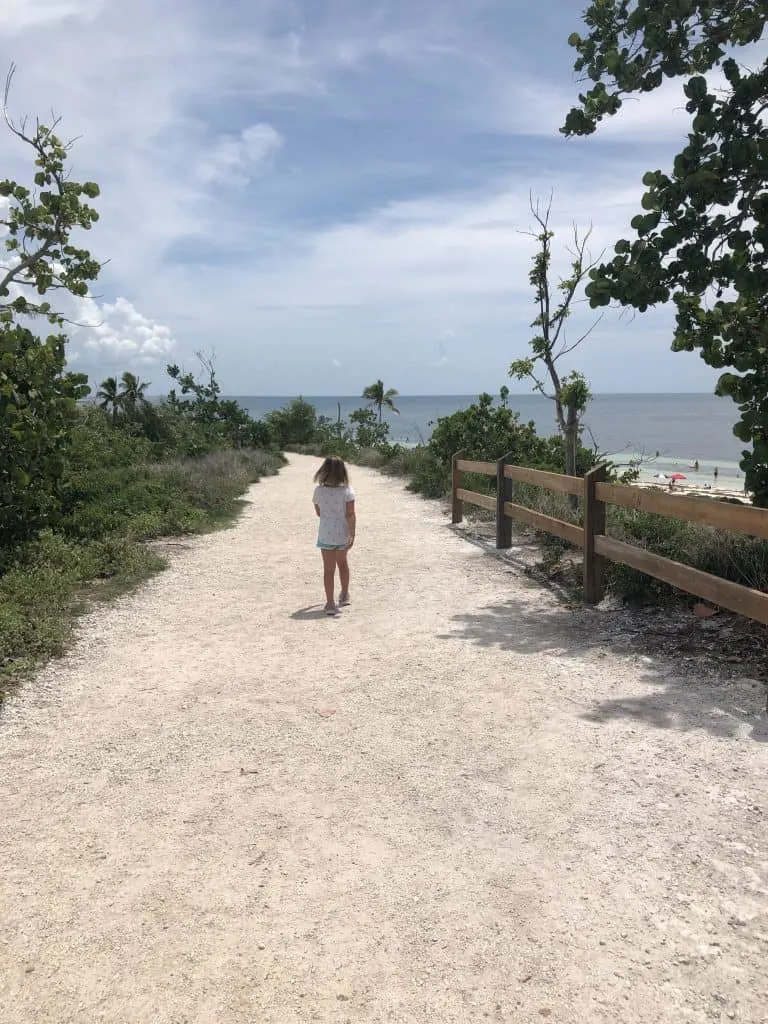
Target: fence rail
(591, 535)
(552, 481)
(567, 531)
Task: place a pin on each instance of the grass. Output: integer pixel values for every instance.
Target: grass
(98, 548)
(729, 556)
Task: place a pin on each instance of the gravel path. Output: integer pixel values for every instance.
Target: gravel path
(455, 803)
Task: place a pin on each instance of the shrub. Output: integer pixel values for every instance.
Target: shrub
(369, 430)
(295, 423)
(43, 592)
(730, 556)
(487, 433)
(38, 407)
(117, 495)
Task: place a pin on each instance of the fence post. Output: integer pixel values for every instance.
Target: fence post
(594, 526)
(457, 507)
(503, 493)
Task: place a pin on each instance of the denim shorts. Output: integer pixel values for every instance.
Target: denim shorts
(332, 547)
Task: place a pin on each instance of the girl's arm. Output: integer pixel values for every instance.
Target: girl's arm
(317, 510)
(351, 522)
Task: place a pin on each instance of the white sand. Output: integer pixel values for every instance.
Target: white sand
(503, 818)
(695, 490)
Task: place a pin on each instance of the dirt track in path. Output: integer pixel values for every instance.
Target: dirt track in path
(454, 803)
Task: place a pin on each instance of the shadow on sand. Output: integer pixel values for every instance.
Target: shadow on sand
(690, 691)
(312, 611)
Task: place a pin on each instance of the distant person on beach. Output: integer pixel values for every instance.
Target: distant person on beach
(696, 465)
(715, 475)
(334, 502)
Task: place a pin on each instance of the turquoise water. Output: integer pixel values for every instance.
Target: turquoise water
(681, 428)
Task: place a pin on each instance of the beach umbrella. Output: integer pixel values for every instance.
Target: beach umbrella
(660, 476)
(678, 476)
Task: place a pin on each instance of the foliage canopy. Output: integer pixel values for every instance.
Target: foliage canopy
(701, 239)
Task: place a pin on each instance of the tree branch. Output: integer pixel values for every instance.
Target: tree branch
(580, 271)
(539, 386)
(575, 345)
(25, 264)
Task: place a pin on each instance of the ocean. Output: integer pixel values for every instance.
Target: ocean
(681, 428)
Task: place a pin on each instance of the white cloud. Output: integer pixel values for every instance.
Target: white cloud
(449, 249)
(531, 103)
(19, 15)
(118, 331)
(239, 158)
(540, 107)
(383, 287)
(404, 269)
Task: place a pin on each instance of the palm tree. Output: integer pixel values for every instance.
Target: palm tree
(378, 397)
(132, 395)
(110, 398)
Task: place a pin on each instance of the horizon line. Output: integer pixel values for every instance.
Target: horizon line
(473, 394)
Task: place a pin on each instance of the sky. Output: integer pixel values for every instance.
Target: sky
(327, 192)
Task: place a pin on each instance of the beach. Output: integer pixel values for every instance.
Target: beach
(686, 479)
(692, 490)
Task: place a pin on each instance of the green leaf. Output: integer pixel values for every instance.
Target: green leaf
(650, 201)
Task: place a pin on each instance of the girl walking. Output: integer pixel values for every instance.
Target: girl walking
(334, 502)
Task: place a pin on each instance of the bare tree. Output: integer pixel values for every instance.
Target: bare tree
(569, 391)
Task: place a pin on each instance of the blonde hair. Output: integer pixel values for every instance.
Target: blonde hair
(332, 473)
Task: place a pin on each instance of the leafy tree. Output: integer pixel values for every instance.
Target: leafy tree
(109, 398)
(570, 391)
(335, 435)
(379, 398)
(222, 420)
(39, 224)
(203, 404)
(38, 408)
(486, 432)
(483, 431)
(295, 423)
(38, 397)
(132, 395)
(702, 238)
(369, 431)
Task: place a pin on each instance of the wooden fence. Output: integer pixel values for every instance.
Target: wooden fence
(596, 493)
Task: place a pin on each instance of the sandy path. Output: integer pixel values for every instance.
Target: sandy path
(502, 820)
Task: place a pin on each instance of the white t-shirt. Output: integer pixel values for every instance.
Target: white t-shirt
(332, 502)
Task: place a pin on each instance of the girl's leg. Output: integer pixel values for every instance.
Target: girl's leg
(329, 574)
(343, 564)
